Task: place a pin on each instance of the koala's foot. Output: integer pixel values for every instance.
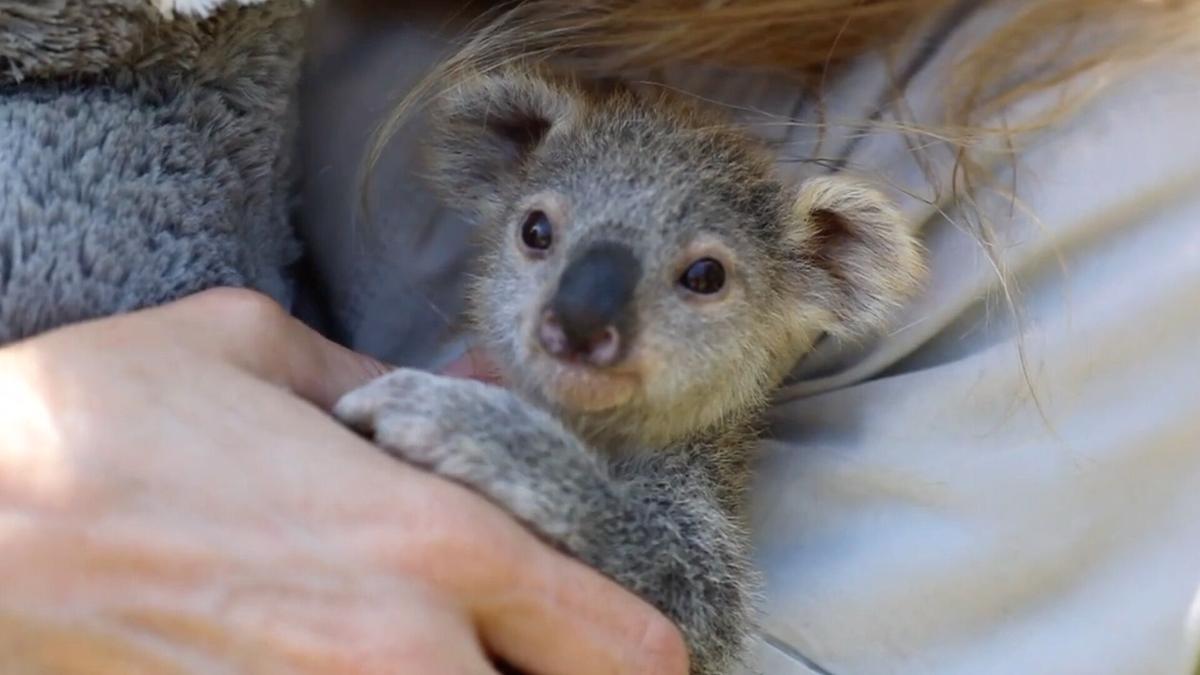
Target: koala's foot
(481, 436)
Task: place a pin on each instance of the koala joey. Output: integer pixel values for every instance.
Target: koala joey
(645, 283)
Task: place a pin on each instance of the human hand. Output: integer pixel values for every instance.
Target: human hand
(171, 500)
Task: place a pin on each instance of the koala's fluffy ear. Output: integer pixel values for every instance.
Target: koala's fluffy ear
(486, 126)
(861, 247)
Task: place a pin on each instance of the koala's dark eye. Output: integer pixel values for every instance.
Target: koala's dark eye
(705, 276)
(536, 232)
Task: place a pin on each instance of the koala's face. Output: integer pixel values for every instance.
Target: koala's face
(645, 275)
(621, 286)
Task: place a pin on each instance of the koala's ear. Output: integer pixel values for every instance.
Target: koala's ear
(861, 248)
(486, 126)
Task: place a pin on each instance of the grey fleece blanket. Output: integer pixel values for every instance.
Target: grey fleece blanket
(145, 153)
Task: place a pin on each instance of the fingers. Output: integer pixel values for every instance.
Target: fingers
(253, 332)
(429, 638)
(322, 371)
(536, 608)
(570, 619)
(406, 632)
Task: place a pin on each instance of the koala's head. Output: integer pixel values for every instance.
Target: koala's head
(645, 274)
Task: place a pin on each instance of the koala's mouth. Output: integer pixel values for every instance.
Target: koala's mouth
(582, 388)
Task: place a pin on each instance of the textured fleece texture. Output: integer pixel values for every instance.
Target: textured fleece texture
(143, 157)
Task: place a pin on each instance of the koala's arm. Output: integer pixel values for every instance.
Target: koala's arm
(653, 523)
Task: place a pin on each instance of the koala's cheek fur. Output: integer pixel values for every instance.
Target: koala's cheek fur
(506, 304)
(699, 363)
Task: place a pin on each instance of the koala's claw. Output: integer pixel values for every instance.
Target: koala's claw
(448, 425)
(410, 413)
(358, 409)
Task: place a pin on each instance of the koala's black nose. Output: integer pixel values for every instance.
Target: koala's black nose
(591, 314)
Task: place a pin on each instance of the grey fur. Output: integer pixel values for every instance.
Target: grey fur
(141, 159)
(644, 481)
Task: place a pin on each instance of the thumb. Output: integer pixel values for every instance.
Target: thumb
(321, 370)
(252, 332)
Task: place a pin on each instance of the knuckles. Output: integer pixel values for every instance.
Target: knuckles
(240, 310)
(246, 320)
(236, 304)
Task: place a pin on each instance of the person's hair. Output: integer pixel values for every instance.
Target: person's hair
(1038, 46)
(1067, 48)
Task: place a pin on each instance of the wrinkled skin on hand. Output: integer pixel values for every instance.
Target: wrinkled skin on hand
(174, 498)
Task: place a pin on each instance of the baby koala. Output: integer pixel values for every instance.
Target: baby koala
(647, 282)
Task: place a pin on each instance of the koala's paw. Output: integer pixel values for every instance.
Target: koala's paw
(476, 434)
(422, 417)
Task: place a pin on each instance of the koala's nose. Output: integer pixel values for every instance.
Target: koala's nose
(591, 313)
(600, 348)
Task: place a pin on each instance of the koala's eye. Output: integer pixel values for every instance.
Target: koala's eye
(536, 232)
(705, 276)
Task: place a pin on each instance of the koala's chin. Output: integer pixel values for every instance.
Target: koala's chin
(581, 389)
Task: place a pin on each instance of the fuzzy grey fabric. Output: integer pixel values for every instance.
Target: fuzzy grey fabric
(142, 158)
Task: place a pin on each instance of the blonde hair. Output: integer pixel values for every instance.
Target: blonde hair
(1041, 46)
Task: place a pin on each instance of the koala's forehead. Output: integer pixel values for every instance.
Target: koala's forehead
(642, 171)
